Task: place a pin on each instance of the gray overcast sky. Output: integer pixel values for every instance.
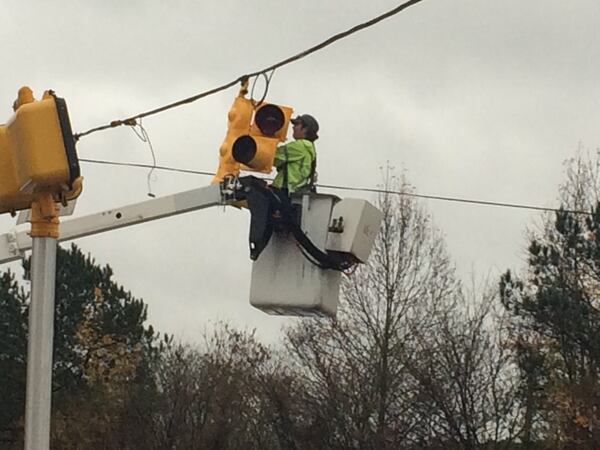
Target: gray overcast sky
(472, 98)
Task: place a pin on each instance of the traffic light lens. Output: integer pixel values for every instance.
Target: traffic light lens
(269, 119)
(244, 149)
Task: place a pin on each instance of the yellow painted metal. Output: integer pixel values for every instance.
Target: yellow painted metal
(265, 154)
(11, 198)
(33, 156)
(238, 124)
(44, 216)
(75, 191)
(25, 95)
(266, 146)
(42, 158)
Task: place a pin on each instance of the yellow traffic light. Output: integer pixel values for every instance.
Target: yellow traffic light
(256, 150)
(251, 142)
(41, 132)
(37, 152)
(238, 124)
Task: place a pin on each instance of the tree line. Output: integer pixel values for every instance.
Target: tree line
(414, 359)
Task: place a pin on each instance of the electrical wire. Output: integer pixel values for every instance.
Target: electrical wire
(359, 189)
(145, 137)
(455, 199)
(132, 120)
(145, 166)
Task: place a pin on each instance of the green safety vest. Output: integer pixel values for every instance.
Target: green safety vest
(297, 158)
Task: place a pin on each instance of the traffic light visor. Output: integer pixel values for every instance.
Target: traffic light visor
(68, 139)
(244, 149)
(269, 119)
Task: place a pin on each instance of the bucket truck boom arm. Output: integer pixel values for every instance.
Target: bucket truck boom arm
(14, 244)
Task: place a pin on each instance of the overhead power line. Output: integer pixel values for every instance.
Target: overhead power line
(132, 120)
(454, 199)
(145, 166)
(358, 189)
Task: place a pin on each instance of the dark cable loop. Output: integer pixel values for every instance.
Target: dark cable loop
(240, 79)
(254, 102)
(145, 137)
(267, 83)
(140, 136)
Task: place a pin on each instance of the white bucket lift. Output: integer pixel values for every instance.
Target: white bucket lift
(286, 282)
(283, 281)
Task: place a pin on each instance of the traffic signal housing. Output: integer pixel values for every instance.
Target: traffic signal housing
(256, 150)
(253, 133)
(37, 152)
(239, 118)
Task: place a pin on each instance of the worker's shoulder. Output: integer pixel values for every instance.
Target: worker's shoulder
(302, 145)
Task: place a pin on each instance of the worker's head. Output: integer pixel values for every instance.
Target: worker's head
(305, 127)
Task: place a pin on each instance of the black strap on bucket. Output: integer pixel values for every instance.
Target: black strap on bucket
(322, 259)
(263, 203)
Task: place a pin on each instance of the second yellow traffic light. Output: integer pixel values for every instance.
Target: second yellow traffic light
(253, 133)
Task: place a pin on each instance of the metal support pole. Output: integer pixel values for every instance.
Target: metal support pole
(41, 336)
(44, 231)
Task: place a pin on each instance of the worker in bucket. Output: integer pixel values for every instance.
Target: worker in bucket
(296, 161)
(296, 164)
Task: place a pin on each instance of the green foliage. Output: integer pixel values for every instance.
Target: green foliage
(13, 336)
(79, 280)
(101, 344)
(560, 299)
(556, 311)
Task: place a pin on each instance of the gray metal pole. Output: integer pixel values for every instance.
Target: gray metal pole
(40, 345)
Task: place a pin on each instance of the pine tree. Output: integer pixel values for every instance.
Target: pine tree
(102, 351)
(555, 307)
(87, 299)
(13, 336)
